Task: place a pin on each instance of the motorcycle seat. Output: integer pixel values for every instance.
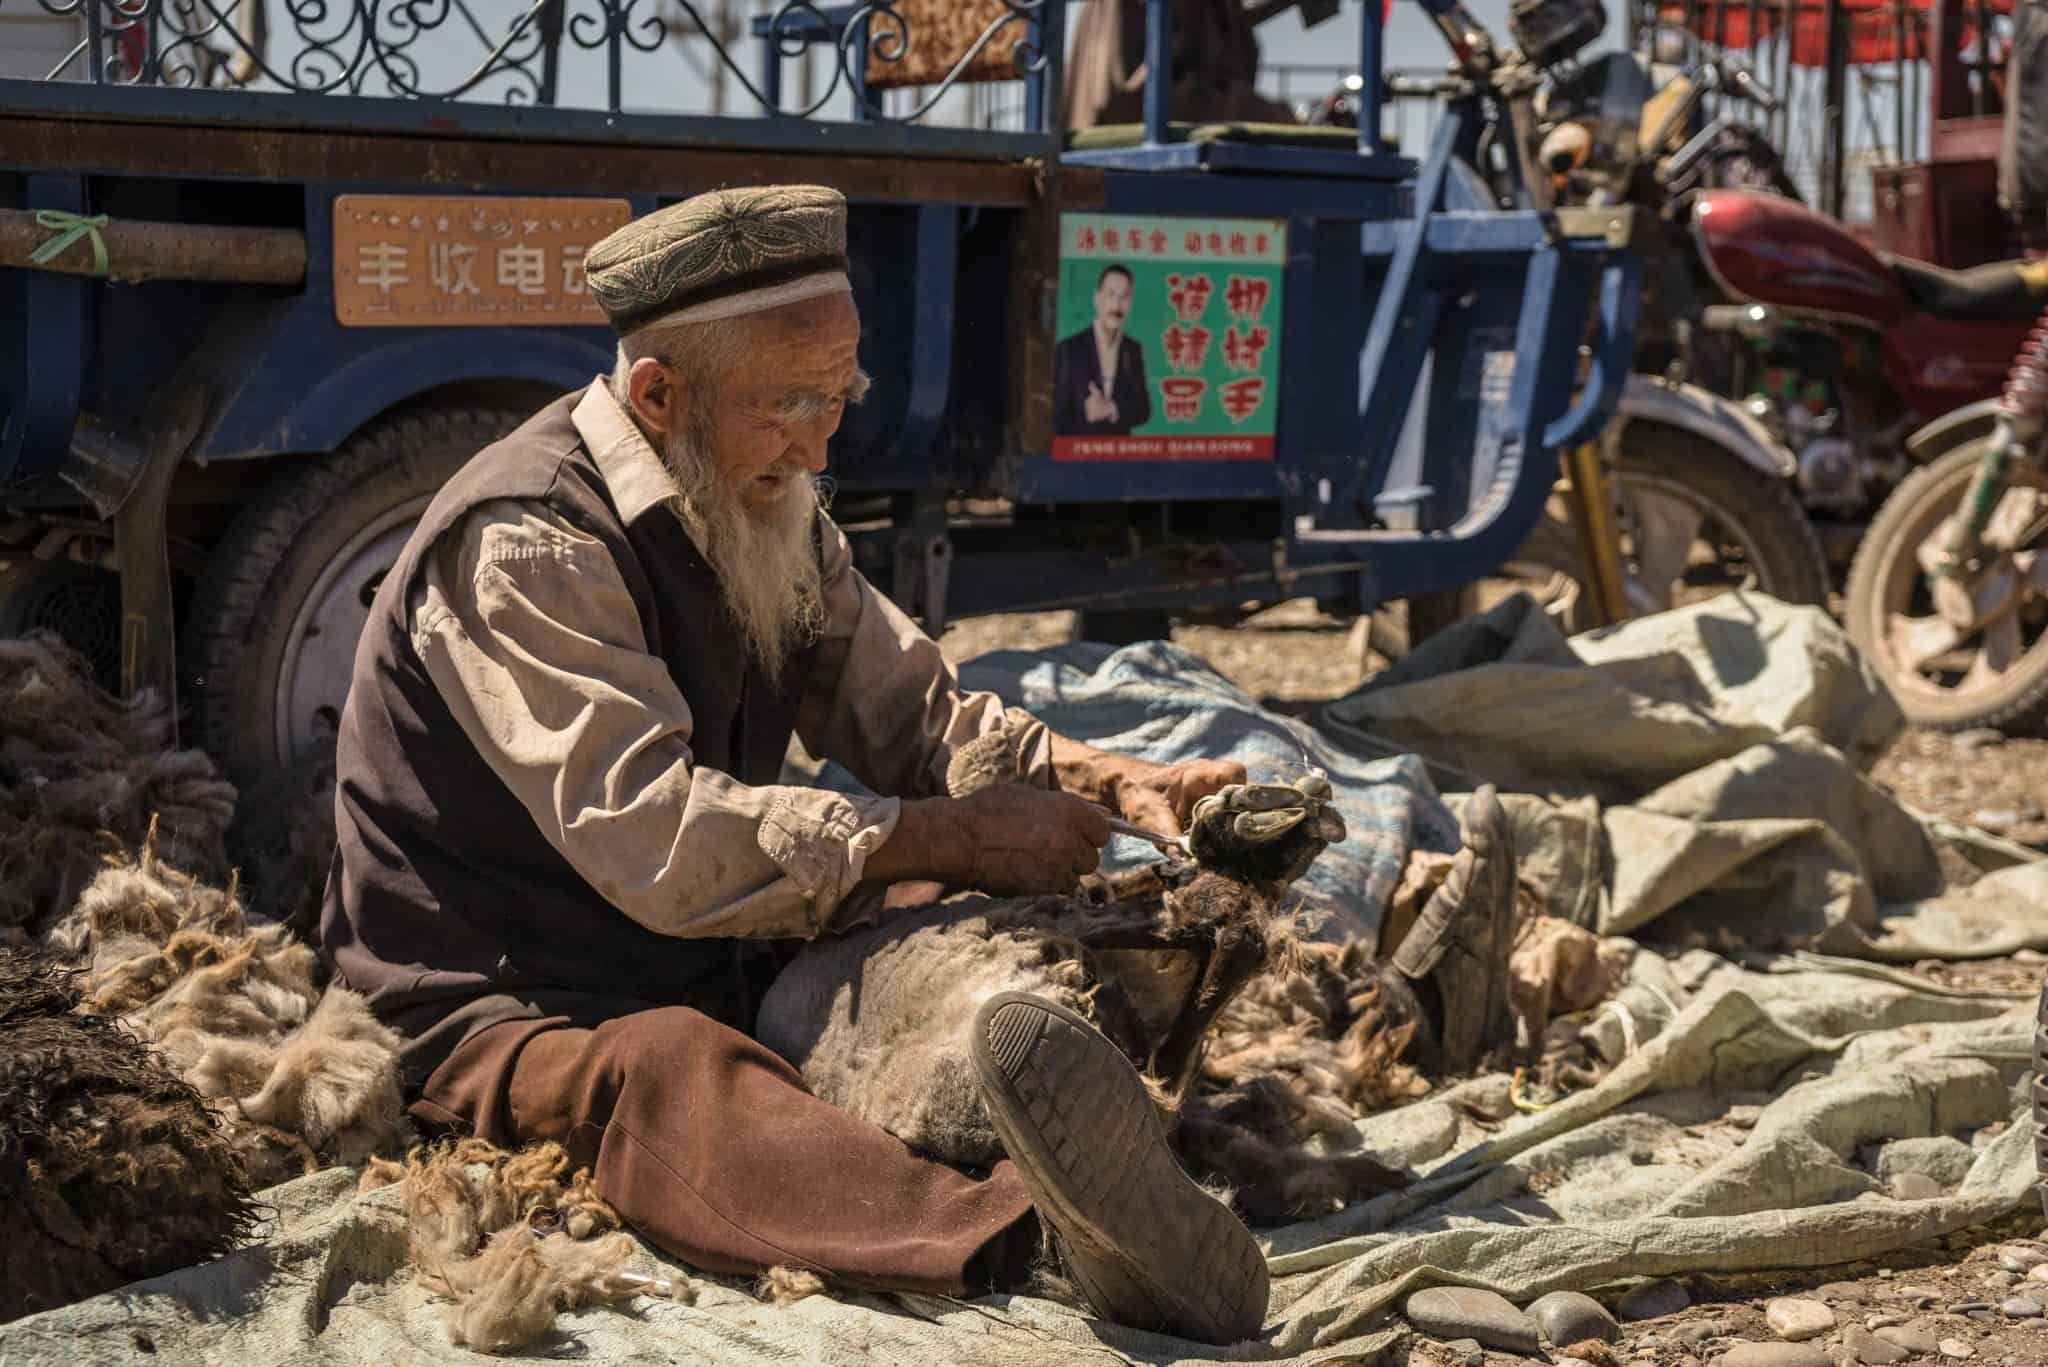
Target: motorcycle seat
(2000, 292)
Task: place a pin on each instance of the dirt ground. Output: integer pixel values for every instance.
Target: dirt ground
(1955, 1294)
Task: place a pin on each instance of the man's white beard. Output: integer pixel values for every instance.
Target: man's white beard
(766, 564)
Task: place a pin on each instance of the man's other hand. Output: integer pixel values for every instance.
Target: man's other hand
(1162, 798)
(1009, 840)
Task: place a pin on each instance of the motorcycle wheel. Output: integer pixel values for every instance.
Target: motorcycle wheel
(1945, 680)
(1695, 522)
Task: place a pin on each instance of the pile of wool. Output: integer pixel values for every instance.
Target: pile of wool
(111, 1167)
(1297, 1057)
(513, 1238)
(877, 1022)
(302, 1078)
(81, 774)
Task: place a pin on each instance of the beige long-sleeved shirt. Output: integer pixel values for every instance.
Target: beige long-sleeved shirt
(527, 629)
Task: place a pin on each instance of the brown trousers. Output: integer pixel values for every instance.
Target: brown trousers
(709, 1146)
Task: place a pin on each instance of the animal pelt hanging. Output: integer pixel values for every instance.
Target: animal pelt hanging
(112, 1168)
(303, 1078)
(877, 1021)
(82, 774)
(512, 1238)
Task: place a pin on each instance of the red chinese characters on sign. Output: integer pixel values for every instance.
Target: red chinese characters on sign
(1237, 244)
(1241, 351)
(1215, 243)
(1188, 295)
(1085, 240)
(1245, 297)
(1182, 397)
(1241, 398)
(1158, 243)
(1184, 346)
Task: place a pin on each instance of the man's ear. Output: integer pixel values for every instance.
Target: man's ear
(656, 400)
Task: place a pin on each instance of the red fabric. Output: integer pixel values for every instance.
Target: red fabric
(710, 1147)
(1874, 28)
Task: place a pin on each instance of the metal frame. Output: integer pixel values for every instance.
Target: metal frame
(1373, 495)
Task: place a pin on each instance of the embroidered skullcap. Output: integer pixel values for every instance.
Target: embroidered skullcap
(721, 255)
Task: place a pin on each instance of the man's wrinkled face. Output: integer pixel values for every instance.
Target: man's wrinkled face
(796, 375)
(1113, 302)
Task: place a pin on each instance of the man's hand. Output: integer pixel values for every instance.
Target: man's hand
(1098, 407)
(1009, 840)
(1162, 798)
(1159, 797)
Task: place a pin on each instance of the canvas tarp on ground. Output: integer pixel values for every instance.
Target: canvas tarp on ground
(1688, 775)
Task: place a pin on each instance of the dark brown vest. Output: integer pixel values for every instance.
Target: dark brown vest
(445, 904)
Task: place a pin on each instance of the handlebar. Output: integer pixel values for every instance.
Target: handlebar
(1758, 93)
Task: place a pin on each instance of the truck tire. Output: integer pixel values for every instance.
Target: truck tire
(269, 640)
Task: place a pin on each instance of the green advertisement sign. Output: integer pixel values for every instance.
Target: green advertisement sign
(1168, 341)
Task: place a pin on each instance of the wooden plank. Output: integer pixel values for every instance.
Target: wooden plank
(163, 150)
(138, 250)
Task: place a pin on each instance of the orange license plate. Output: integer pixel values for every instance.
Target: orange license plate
(467, 260)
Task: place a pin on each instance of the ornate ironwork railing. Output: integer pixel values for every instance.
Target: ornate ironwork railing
(591, 53)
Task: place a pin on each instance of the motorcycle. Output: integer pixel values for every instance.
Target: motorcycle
(1866, 367)
(1948, 594)
(1700, 491)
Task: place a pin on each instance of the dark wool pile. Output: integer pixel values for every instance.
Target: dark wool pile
(82, 775)
(112, 1169)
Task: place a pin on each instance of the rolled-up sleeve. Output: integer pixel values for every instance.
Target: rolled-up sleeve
(883, 701)
(528, 632)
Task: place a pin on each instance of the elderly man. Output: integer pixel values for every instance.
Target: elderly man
(564, 849)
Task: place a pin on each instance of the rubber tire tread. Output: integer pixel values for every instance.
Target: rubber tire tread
(2024, 712)
(1771, 512)
(236, 613)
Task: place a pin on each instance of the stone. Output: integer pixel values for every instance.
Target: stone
(1996, 819)
(2000, 1281)
(1884, 1319)
(1956, 1348)
(1872, 1351)
(1568, 1317)
(1977, 738)
(1983, 1316)
(1945, 1159)
(2020, 1258)
(1463, 1312)
(1920, 1295)
(1653, 1300)
(1773, 1355)
(1651, 1343)
(2022, 1308)
(1796, 1320)
(1696, 1332)
(2039, 1274)
(1914, 1338)
(1466, 1352)
(1915, 1186)
(1573, 1362)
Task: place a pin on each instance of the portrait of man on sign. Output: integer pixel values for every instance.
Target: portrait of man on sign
(1099, 386)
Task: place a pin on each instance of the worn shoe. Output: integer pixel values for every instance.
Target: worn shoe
(1459, 947)
(1148, 1247)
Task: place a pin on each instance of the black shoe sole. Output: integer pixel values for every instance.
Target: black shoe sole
(1148, 1246)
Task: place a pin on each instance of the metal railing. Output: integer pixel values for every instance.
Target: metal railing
(616, 55)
